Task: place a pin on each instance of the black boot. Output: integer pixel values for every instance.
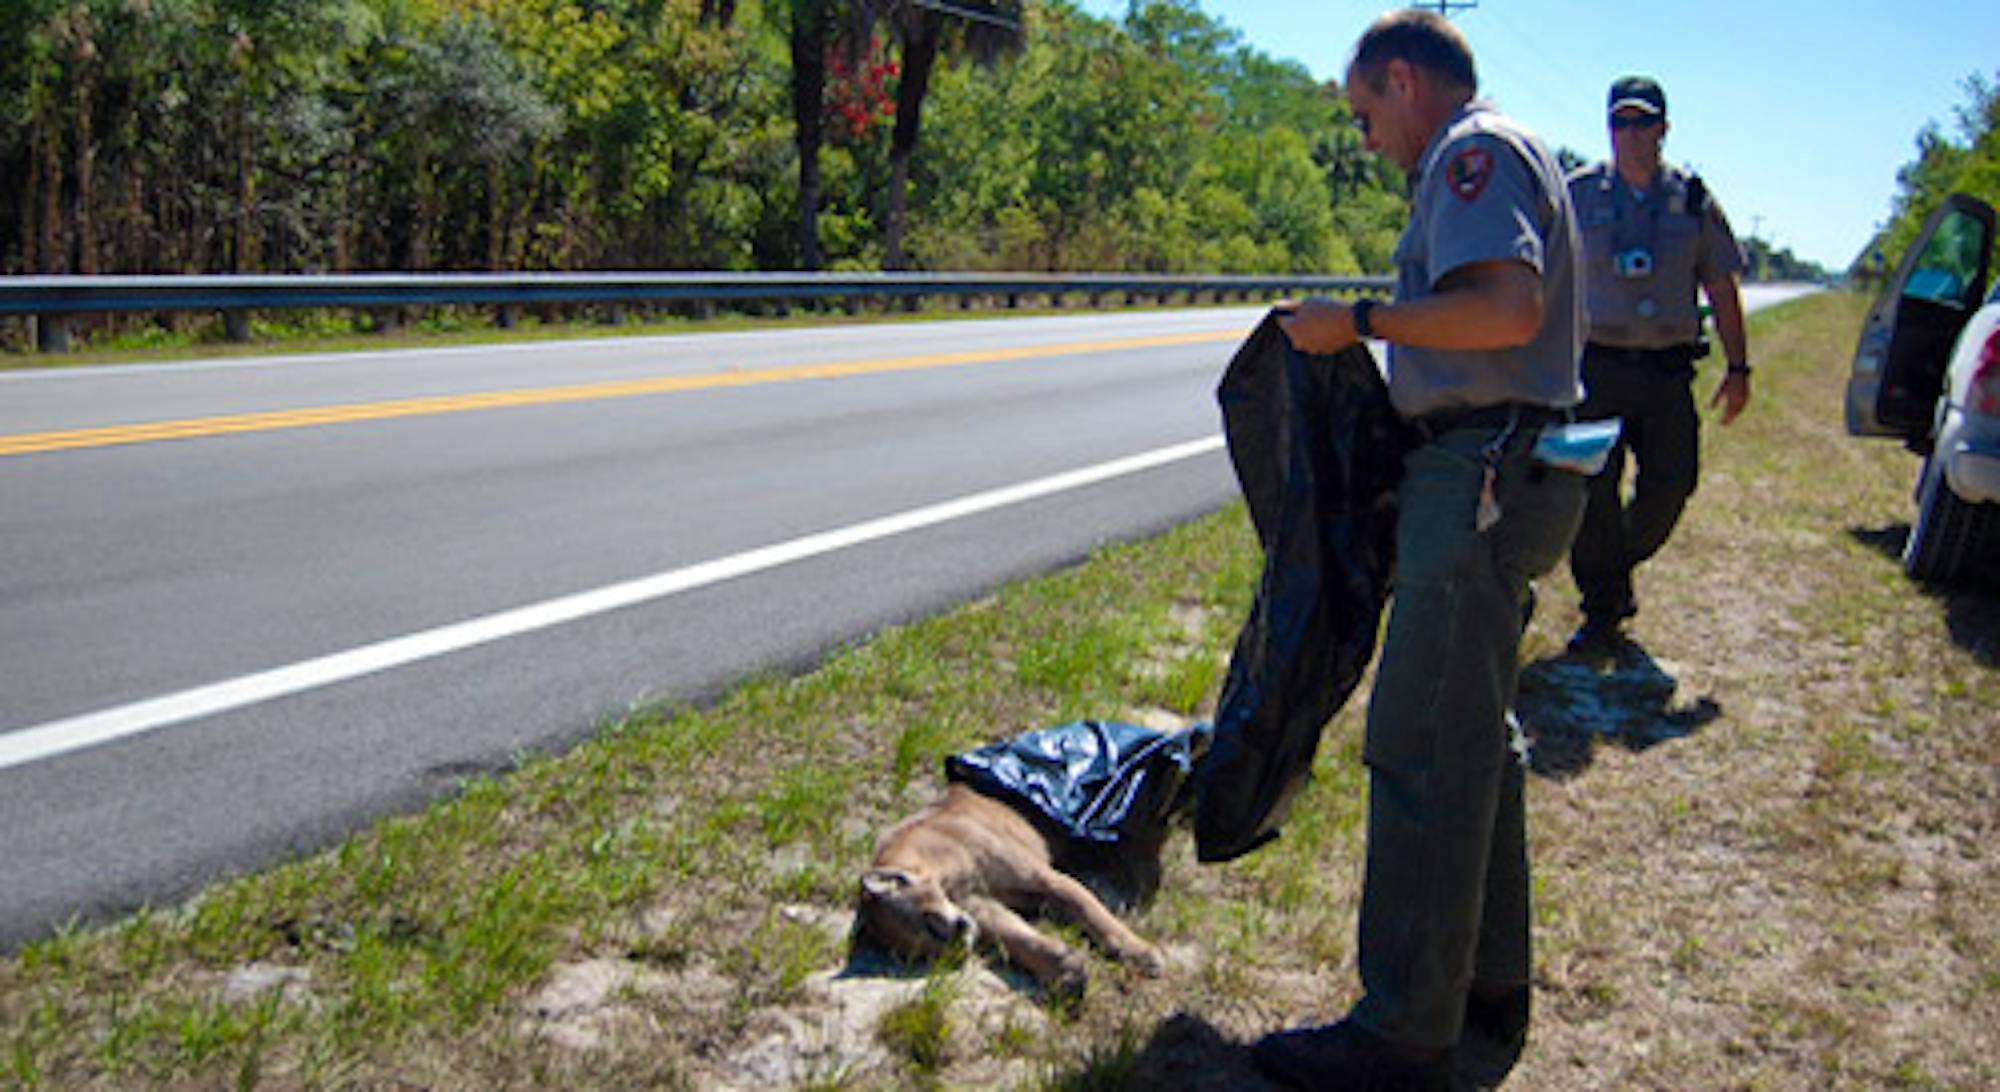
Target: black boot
(1496, 1030)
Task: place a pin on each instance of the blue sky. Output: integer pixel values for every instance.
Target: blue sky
(1797, 114)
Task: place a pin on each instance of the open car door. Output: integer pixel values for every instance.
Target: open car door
(1906, 343)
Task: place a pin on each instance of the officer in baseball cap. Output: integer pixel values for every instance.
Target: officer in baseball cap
(1652, 235)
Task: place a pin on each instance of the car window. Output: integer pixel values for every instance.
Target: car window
(1949, 263)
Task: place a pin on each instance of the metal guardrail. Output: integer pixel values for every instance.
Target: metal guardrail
(52, 300)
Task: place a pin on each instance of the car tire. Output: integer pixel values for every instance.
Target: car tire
(1947, 531)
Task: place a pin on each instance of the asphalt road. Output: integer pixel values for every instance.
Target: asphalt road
(234, 645)
(248, 606)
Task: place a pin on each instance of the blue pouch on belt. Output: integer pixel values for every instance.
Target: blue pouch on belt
(1580, 447)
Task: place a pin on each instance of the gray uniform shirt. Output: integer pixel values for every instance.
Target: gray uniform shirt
(1686, 247)
(1484, 190)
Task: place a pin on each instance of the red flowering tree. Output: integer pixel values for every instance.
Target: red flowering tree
(860, 91)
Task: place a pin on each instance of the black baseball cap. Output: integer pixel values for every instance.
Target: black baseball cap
(1639, 93)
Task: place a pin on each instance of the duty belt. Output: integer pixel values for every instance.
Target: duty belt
(1525, 415)
(1671, 358)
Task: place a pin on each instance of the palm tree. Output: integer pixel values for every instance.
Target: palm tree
(811, 23)
(985, 30)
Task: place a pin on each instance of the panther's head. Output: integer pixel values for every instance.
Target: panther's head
(910, 915)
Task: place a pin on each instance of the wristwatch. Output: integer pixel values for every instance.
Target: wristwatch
(1361, 309)
(1742, 369)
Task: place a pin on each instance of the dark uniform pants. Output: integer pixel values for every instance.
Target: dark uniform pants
(1651, 391)
(1446, 897)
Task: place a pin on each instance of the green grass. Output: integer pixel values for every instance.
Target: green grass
(918, 1031)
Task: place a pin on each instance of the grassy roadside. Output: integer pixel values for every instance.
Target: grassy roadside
(312, 332)
(1762, 851)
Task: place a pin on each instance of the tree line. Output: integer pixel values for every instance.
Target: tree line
(190, 136)
(1969, 164)
(184, 136)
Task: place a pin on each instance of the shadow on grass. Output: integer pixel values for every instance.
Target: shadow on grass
(1971, 608)
(1184, 1054)
(1568, 705)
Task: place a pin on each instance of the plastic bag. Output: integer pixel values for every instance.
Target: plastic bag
(1097, 781)
(1318, 451)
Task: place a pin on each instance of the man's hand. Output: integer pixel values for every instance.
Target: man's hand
(1317, 326)
(1732, 394)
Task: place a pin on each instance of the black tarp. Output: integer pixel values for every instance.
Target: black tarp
(1318, 452)
(1097, 781)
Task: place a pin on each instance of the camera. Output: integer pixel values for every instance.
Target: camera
(1633, 265)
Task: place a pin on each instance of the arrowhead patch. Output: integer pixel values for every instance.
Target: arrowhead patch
(1468, 172)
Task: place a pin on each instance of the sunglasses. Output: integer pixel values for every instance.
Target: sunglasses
(1633, 121)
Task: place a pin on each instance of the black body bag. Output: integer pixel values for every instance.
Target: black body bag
(1318, 452)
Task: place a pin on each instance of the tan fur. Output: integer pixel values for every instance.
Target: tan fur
(964, 870)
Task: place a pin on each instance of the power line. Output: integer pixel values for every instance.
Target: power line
(1446, 8)
(974, 15)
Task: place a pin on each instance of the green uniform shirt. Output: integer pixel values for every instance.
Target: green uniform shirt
(1684, 247)
(1486, 189)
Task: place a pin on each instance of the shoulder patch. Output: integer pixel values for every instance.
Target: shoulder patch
(1468, 172)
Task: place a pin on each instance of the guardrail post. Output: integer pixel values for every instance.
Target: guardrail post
(503, 317)
(51, 334)
(236, 326)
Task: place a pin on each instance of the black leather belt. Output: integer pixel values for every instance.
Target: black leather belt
(1671, 357)
(1525, 415)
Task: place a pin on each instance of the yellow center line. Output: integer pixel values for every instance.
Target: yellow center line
(148, 432)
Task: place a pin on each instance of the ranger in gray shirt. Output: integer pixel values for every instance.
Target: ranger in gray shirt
(1484, 334)
(1652, 234)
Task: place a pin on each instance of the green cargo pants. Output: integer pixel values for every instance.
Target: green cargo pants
(1446, 895)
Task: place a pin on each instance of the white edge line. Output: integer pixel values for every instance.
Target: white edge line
(58, 737)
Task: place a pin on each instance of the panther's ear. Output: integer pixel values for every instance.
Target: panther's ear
(882, 883)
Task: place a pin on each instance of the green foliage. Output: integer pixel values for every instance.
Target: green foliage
(1159, 145)
(250, 136)
(1969, 165)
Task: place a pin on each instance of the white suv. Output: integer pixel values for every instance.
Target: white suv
(1927, 370)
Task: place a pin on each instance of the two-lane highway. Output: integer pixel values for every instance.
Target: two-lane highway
(247, 606)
